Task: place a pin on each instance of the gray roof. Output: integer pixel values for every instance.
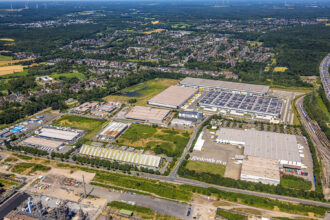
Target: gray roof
(224, 85)
(264, 144)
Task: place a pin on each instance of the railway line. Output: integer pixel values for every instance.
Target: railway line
(319, 140)
(324, 74)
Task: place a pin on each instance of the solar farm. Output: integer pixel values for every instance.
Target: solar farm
(121, 155)
(242, 103)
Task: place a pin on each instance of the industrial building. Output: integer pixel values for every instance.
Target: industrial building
(121, 155)
(242, 104)
(181, 122)
(153, 115)
(173, 97)
(281, 147)
(200, 142)
(259, 169)
(190, 115)
(58, 134)
(112, 130)
(208, 84)
(43, 143)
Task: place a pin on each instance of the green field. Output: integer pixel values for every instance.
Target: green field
(31, 167)
(161, 140)
(5, 58)
(7, 183)
(68, 75)
(163, 189)
(202, 167)
(229, 215)
(92, 126)
(143, 212)
(146, 91)
(289, 181)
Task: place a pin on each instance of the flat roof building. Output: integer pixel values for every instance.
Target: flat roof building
(281, 147)
(173, 97)
(42, 142)
(191, 115)
(148, 114)
(113, 130)
(58, 134)
(121, 155)
(224, 85)
(259, 169)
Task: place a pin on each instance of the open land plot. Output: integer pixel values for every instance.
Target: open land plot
(7, 183)
(7, 39)
(160, 140)
(202, 167)
(13, 75)
(154, 31)
(27, 168)
(8, 61)
(5, 58)
(142, 92)
(68, 75)
(280, 69)
(5, 70)
(92, 126)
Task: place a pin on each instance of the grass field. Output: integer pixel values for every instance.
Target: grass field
(202, 167)
(27, 168)
(7, 183)
(160, 140)
(92, 126)
(5, 70)
(322, 105)
(147, 90)
(280, 69)
(289, 181)
(68, 75)
(229, 215)
(254, 43)
(5, 58)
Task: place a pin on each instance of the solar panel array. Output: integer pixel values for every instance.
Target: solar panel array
(243, 103)
(120, 155)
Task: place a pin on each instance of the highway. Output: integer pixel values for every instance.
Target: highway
(324, 74)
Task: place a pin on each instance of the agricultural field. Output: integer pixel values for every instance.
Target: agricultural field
(280, 69)
(92, 126)
(7, 61)
(13, 75)
(28, 168)
(68, 75)
(142, 92)
(154, 22)
(154, 31)
(7, 39)
(289, 181)
(160, 140)
(254, 43)
(202, 167)
(5, 70)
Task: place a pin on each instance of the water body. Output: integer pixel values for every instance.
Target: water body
(135, 93)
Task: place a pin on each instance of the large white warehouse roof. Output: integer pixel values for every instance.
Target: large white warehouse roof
(58, 134)
(283, 147)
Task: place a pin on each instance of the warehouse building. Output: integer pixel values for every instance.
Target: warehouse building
(190, 115)
(121, 155)
(242, 104)
(153, 115)
(58, 134)
(208, 84)
(259, 169)
(281, 147)
(112, 130)
(45, 144)
(173, 97)
(181, 122)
